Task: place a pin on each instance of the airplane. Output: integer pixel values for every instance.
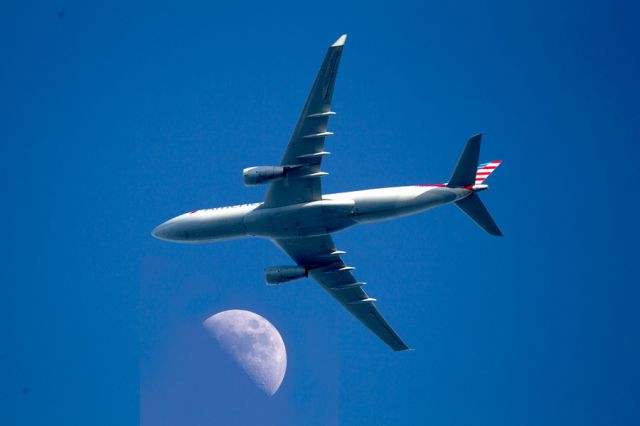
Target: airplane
(300, 219)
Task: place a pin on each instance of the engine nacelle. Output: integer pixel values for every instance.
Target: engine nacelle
(283, 274)
(262, 174)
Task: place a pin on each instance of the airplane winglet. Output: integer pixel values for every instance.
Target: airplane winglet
(340, 41)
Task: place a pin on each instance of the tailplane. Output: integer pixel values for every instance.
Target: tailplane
(473, 207)
(468, 174)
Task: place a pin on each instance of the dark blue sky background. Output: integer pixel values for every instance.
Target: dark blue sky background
(115, 117)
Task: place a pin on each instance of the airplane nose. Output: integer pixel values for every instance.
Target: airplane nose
(158, 232)
(165, 231)
(172, 230)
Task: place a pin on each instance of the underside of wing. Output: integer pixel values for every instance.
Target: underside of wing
(324, 264)
(305, 150)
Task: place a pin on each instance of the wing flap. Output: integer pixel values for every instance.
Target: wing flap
(360, 305)
(335, 277)
(306, 145)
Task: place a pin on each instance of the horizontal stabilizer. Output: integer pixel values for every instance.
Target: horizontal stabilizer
(473, 207)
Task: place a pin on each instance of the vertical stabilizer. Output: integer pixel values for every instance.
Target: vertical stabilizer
(465, 172)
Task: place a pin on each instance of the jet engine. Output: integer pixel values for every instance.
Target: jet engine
(262, 174)
(283, 274)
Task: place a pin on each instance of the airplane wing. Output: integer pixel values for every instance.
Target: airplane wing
(306, 147)
(320, 257)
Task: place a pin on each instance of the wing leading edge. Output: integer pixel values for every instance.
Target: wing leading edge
(305, 150)
(320, 257)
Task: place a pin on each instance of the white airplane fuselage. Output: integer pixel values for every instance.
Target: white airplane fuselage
(334, 212)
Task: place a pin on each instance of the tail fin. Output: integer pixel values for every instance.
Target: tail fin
(468, 174)
(484, 170)
(465, 172)
(473, 207)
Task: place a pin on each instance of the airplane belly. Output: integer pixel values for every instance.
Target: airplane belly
(373, 206)
(429, 199)
(211, 225)
(388, 203)
(221, 229)
(300, 220)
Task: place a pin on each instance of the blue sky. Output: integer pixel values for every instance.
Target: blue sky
(116, 117)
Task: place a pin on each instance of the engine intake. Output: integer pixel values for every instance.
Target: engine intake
(282, 274)
(262, 174)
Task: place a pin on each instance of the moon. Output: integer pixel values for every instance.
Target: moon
(253, 343)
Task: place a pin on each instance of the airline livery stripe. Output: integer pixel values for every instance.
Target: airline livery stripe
(484, 170)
